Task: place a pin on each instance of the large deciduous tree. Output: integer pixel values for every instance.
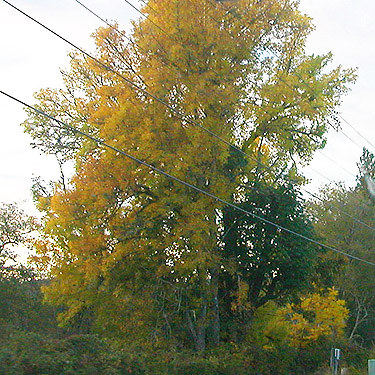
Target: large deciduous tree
(141, 254)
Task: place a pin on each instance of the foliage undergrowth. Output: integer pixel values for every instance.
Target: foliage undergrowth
(23, 353)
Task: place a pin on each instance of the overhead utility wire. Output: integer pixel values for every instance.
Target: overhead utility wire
(334, 162)
(162, 58)
(187, 184)
(127, 80)
(120, 32)
(136, 44)
(117, 30)
(178, 113)
(144, 15)
(158, 26)
(350, 125)
(148, 5)
(105, 21)
(322, 175)
(350, 139)
(306, 84)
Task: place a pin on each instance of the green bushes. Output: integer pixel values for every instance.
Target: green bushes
(32, 354)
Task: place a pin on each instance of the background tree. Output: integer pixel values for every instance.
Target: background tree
(16, 229)
(21, 306)
(357, 237)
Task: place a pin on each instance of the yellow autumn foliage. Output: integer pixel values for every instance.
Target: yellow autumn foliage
(317, 315)
(123, 241)
(314, 316)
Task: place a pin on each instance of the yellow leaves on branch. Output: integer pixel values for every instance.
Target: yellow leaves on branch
(316, 315)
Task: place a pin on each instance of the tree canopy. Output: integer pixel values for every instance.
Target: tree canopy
(141, 256)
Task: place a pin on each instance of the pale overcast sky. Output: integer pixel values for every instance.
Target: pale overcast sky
(30, 59)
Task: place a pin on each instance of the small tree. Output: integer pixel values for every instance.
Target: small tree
(16, 229)
(315, 316)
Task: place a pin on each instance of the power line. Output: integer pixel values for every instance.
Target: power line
(334, 162)
(350, 139)
(332, 206)
(105, 21)
(307, 85)
(350, 125)
(308, 192)
(149, 6)
(123, 35)
(178, 113)
(321, 174)
(155, 24)
(117, 30)
(187, 184)
(147, 17)
(338, 209)
(175, 111)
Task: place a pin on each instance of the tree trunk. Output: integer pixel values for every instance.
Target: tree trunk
(215, 309)
(198, 330)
